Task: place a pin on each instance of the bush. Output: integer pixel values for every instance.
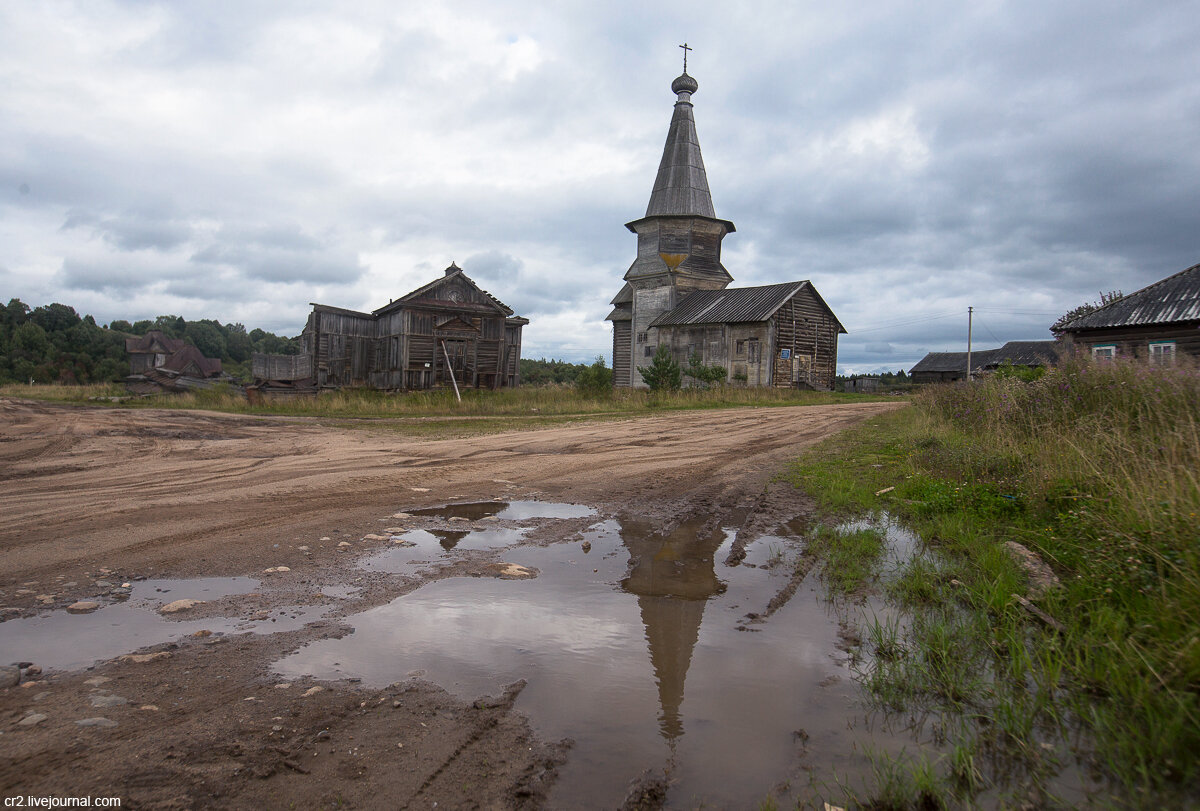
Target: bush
(595, 380)
(704, 376)
(663, 373)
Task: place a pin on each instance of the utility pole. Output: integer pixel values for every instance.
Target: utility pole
(970, 310)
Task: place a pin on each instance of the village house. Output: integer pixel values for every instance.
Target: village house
(676, 291)
(947, 367)
(448, 332)
(1154, 323)
(159, 363)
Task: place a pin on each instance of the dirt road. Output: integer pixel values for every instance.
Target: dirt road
(94, 498)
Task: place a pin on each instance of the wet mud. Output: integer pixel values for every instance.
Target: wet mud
(382, 626)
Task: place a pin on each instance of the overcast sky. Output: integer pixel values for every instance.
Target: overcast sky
(238, 160)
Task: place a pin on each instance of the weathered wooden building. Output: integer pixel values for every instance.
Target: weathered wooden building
(449, 328)
(159, 363)
(676, 291)
(948, 367)
(1154, 323)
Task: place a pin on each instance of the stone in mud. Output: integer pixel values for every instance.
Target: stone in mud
(10, 676)
(311, 691)
(343, 544)
(179, 605)
(32, 719)
(511, 570)
(142, 658)
(96, 722)
(108, 701)
(401, 515)
(83, 607)
(375, 537)
(275, 569)
(97, 681)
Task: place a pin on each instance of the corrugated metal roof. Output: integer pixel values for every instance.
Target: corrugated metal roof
(1174, 299)
(734, 305)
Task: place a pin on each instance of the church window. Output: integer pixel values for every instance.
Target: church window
(650, 349)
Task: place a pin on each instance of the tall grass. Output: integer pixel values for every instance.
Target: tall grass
(1095, 468)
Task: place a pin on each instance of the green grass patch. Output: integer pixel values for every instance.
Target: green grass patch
(530, 403)
(1095, 469)
(851, 556)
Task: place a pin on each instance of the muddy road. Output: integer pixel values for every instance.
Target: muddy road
(131, 510)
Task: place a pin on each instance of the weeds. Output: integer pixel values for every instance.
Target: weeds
(1094, 468)
(529, 402)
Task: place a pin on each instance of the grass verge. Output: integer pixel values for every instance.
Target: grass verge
(1094, 469)
(531, 404)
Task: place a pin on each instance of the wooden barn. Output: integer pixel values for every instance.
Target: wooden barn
(949, 367)
(676, 291)
(1153, 324)
(447, 332)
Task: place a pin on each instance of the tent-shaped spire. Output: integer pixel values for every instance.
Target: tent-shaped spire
(681, 187)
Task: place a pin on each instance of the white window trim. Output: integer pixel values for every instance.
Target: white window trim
(1098, 352)
(1165, 353)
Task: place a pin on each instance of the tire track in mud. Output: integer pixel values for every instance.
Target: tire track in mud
(209, 477)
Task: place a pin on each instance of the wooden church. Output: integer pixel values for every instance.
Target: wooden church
(676, 291)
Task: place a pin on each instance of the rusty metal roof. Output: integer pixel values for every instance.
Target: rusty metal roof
(1171, 300)
(736, 305)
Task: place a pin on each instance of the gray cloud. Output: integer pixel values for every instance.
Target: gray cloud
(910, 161)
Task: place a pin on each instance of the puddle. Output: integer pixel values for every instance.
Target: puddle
(61, 641)
(508, 510)
(640, 652)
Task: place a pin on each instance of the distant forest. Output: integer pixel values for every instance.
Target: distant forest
(54, 344)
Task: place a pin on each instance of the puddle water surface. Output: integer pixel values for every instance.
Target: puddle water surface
(61, 641)
(639, 650)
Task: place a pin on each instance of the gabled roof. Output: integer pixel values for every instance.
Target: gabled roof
(737, 305)
(452, 272)
(1026, 353)
(154, 341)
(1018, 353)
(952, 361)
(1171, 300)
(189, 355)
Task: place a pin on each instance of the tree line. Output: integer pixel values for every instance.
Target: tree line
(54, 344)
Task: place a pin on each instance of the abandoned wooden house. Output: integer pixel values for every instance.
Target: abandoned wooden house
(1151, 324)
(159, 363)
(948, 367)
(448, 332)
(676, 291)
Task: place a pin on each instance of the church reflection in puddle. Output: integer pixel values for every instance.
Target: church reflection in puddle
(630, 646)
(673, 578)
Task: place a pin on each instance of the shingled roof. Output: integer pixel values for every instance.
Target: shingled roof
(1172, 300)
(736, 305)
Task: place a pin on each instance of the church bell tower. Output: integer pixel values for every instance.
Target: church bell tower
(678, 243)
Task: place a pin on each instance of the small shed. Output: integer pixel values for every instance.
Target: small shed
(1154, 323)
